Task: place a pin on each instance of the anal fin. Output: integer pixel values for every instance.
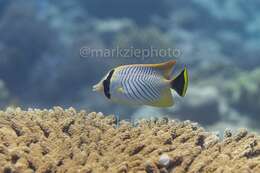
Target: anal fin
(165, 100)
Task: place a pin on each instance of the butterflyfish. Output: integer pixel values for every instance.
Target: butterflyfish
(143, 84)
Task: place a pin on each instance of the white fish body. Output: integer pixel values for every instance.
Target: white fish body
(139, 86)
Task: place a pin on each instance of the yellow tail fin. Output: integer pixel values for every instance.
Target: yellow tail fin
(181, 82)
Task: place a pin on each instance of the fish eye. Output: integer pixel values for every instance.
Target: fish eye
(109, 75)
(106, 83)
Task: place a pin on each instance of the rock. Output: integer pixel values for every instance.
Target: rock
(164, 160)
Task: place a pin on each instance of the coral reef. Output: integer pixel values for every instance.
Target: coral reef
(60, 140)
(41, 66)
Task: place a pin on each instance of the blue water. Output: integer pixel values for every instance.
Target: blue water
(42, 63)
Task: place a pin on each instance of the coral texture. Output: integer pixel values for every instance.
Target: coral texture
(58, 140)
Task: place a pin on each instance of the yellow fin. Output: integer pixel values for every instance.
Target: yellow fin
(165, 100)
(166, 67)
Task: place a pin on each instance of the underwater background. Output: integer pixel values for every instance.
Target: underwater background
(43, 59)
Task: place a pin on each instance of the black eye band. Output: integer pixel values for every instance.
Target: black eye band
(106, 84)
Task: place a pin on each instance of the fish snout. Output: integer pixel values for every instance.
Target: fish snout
(98, 87)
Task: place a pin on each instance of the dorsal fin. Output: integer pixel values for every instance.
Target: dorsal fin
(165, 68)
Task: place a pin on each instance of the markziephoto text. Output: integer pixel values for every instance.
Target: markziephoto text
(131, 52)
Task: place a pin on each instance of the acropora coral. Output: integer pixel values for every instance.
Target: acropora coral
(59, 140)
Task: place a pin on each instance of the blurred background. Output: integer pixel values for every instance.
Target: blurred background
(41, 65)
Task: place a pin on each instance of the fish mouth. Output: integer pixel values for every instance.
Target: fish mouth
(97, 87)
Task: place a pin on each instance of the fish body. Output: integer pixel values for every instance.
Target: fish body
(143, 84)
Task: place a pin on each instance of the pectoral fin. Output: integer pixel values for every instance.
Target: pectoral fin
(120, 90)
